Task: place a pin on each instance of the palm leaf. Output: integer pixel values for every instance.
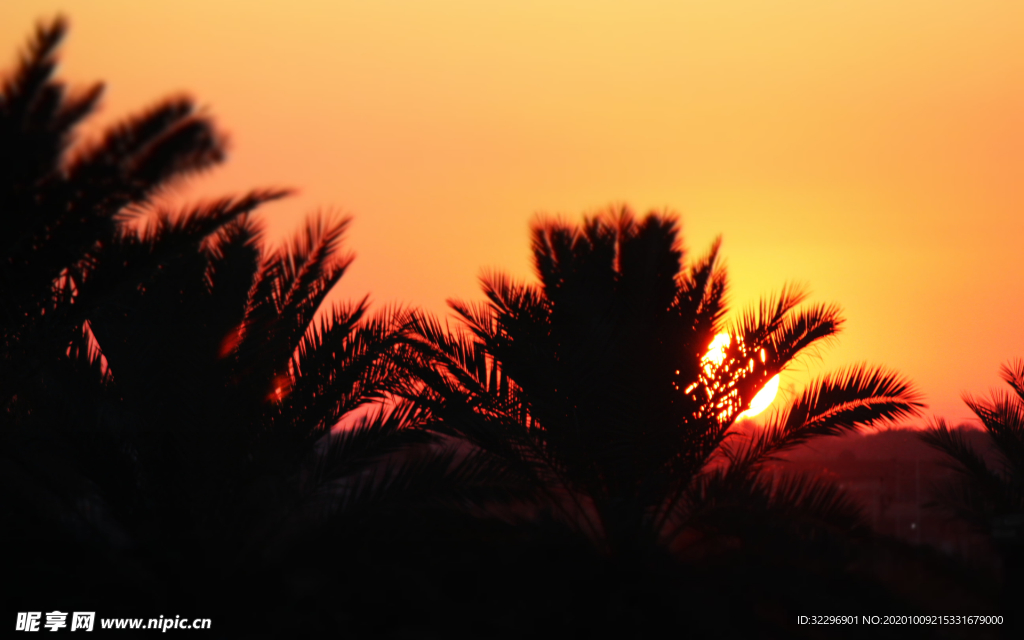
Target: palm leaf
(836, 403)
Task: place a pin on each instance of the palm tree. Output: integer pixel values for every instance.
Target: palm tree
(59, 200)
(168, 390)
(594, 387)
(988, 496)
(987, 492)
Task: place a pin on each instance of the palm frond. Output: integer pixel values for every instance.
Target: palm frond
(34, 70)
(977, 492)
(342, 364)
(139, 155)
(76, 107)
(801, 330)
(757, 324)
(648, 260)
(233, 256)
(122, 265)
(807, 496)
(289, 289)
(514, 304)
(1003, 418)
(456, 364)
(755, 506)
(386, 431)
(961, 456)
(1013, 374)
(427, 478)
(701, 291)
(37, 113)
(851, 398)
(847, 400)
(197, 222)
(311, 264)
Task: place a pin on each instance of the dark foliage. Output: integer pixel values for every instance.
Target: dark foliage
(989, 494)
(59, 201)
(163, 385)
(594, 391)
(595, 386)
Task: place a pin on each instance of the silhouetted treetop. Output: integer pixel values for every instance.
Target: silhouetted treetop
(987, 493)
(59, 200)
(597, 383)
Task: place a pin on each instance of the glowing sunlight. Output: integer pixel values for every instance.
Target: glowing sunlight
(764, 397)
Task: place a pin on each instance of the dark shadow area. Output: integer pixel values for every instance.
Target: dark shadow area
(893, 474)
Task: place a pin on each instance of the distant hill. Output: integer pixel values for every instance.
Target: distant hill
(892, 473)
(899, 443)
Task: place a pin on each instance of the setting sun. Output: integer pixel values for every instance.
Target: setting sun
(764, 397)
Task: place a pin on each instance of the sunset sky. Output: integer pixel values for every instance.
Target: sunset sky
(872, 150)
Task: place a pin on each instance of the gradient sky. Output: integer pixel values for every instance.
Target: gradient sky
(872, 150)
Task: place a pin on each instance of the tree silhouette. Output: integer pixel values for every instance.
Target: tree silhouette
(595, 388)
(989, 497)
(988, 493)
(168, 389)
(58, 201)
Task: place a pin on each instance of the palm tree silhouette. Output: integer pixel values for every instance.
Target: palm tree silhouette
(168, 390)
(594, 387)
(989, 497)
(988, 493)
(217, 357)
(60, 201)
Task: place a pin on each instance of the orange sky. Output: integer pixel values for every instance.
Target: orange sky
(871, 149)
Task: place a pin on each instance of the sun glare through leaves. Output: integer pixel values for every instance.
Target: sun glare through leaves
(714, 358)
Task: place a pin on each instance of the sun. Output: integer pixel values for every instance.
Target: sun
(764, 397)
(716, 350)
